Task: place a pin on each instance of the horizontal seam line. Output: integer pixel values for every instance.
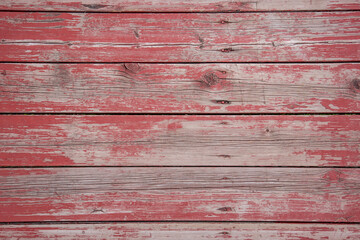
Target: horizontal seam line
(183, 114)
(142, 62)
(180, 12)
(174, 221)
(177, 166)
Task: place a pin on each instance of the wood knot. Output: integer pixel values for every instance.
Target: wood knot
(210, 79)
(225, 209)
(333, 176)
(94, 6)
(355, 85)
(132, 67)
(224, 156)
(226, 50)
(267, 130)
(224, 233)
(222, 101)
(3, 73)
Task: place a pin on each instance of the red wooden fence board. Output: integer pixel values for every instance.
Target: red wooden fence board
(247, 37)
(195, 194)
(177, 5)
(280, 175)
(184, 231)
(180, 140)
(180, 88)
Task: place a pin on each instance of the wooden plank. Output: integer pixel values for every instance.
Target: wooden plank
(177, 5)
(109, 140)
(185, 231)
(247, 37)
(177, 193)
(180, 88)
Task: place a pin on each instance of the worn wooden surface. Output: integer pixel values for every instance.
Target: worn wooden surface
(246, 37)
(177, 5)
(180, 88)
(118, 150)
(180, 140)
(176, 193)
(185, 231)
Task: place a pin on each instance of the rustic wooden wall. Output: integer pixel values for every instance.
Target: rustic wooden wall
(179, 119)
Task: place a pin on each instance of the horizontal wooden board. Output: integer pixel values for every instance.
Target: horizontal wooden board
(177, 5)
(177, 193)
(142, 140)
(247, 37)
(180, 88)
(184, 231)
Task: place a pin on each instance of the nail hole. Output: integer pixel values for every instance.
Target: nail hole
(224, 21)
(226, 50)
(221, 101)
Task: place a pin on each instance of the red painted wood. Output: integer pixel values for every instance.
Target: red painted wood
(247, 37)
(199, 194)
(184, 231)
(177, 5)
(180, 140)
(180, 88)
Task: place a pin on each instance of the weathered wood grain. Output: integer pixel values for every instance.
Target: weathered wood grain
(180, 88)
(177, 193)
(247, 37)
(177, 5)
(80, 140)
(184, 231)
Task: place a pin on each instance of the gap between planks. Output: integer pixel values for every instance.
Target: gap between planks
(174, 12)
